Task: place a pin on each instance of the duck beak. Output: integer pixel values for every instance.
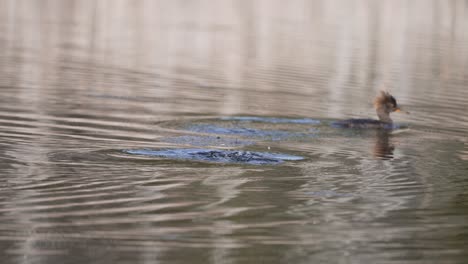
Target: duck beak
(401, 111)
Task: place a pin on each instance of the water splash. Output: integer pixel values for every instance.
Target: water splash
(221, 156)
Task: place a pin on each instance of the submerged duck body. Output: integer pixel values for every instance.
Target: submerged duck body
(384, 104)
(363, 123)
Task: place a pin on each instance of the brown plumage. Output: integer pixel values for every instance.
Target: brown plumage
(384, 104)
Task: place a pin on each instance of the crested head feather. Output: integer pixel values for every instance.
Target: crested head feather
(384, 98)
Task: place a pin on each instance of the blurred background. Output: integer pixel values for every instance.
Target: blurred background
(319, 58)
(80, 81)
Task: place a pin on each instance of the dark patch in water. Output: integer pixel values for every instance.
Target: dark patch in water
(215, 155)
(274, 120)
(328, 193)
(246, 132)
(201, 141)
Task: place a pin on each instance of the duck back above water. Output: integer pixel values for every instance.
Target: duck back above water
(384, 104)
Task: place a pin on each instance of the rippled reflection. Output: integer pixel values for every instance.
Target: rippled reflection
(383, 147)
(82, 81)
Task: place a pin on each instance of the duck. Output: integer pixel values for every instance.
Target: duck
(384, 104)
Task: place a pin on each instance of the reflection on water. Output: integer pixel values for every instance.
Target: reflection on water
(383, 147)
(81, 81)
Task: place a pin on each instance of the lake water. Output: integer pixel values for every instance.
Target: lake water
(98, 98)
